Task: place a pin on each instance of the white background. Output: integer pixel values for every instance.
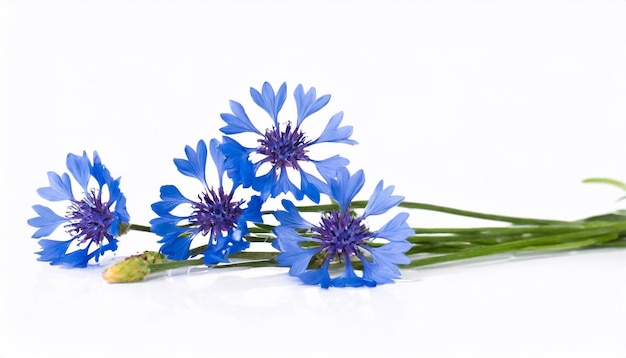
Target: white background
(495, 106)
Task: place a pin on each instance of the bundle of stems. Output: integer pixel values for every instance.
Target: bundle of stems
(431, 246)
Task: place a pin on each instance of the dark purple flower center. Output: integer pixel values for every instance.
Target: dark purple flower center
(284, 149)
(340, 234)
(90, 219)
(215, 213)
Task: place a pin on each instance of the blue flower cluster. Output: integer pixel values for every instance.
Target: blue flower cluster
(215, 213)
(93, 220)
(341, 236)
(338, 250)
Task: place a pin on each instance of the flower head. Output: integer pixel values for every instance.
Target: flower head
(342, 238)
(284, 147)
(93, 219)
(214, 213)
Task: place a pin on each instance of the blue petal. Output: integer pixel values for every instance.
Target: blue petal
(212, 257)
(114, 189)
(292, 255)
(317, 277)
(171, 232)
(234, 242)
(391, 253)
(380, 274)
(312, 186)
(175, 240)
(78, 258)
(328, 167)
(238, 122)
(397, 229)
(114, 226)
(270, 102)
(232, 149)
(111, 246)
(166, 224)
(350, 279)
(265, 184)
(237, 165)
(241, 171)
(291, 217)
(100, 172)
(52, 249)
(195, 165)
(346, 186)
(47, 221)
(218, 158)
(116, 197)
(334, 133)
(252, 213)
(217, 251)
(223, 247)
(80, 167)
(178, 248)
(60, 188)
(297, 260)
(171, 198)
(284, 185)
(381, 200)
(383, 268)
(270, 185)
(120, 209)
(307, 104)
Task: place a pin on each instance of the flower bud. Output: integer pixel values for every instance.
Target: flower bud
(131, 269)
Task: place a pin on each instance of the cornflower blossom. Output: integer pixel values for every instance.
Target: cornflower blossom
(284, 147)
(93, 220)
(215, 213)
(343, 238)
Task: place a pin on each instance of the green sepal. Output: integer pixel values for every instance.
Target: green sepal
(123, 228)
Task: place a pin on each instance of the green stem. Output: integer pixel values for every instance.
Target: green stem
(254, 255)
(574, 245)
(250, 258)
(257, 238)
(503, 230)
(620, 244)
(168, 265)
(197, 250)
(136, 227)
(493, 217)
(438, 249)
(360, 204)
(609, 181)
(261, 228)
(497, 235)
(601, 234)
(258, 263)
(480, 235)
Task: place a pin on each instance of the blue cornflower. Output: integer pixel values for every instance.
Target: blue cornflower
(215, 213)
(93, 222)
(343, 238)
(283, 147)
